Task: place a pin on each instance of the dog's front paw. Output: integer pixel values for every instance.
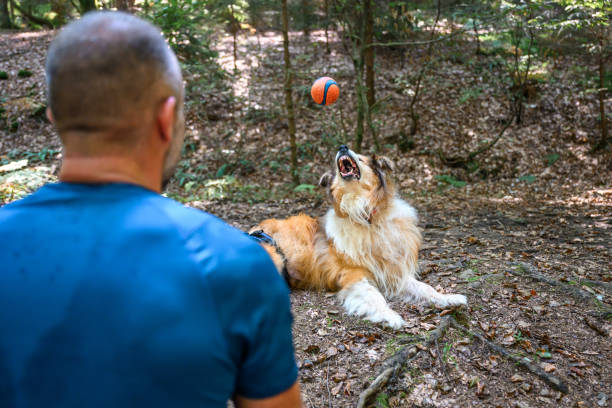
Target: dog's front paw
(450, 301)
(395, 321)
(388, 318)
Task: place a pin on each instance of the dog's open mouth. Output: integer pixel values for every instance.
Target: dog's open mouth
(348, 167)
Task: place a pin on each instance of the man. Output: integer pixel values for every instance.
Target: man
(110, 294)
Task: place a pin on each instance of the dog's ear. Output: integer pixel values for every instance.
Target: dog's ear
(326, 179)
(384, 163)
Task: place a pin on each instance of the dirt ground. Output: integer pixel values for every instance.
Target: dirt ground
(527, 238)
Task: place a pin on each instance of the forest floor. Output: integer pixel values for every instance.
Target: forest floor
(526, 235)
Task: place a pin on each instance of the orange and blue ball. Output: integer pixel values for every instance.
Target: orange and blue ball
(325, 91)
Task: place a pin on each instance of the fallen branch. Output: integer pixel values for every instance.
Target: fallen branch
(394, 363)
(595, 326)
(601, 284)
(551, 379)
(533, 272)
(462, 161)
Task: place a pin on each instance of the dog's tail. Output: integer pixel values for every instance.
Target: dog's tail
(275, 252)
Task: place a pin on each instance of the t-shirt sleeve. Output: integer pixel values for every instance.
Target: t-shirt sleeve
(254, 309)
(268, 365)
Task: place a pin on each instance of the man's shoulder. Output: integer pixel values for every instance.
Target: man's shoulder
(200, 227)
(212, 241)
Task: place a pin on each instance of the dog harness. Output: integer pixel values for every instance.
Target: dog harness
(261, 237)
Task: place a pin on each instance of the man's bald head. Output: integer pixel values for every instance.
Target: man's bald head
(107, 71)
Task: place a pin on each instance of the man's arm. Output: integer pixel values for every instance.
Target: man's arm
(290, 399)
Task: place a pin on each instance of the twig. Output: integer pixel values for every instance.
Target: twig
(394, 363)
(441, 361)
(375, 387)
(328, 391)
(426, 42)
(458, 161)
(551, 379)
(595, 326)
(605, 285)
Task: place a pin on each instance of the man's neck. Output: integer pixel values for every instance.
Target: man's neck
(108, 169)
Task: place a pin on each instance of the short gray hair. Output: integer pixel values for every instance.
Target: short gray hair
(107, 66)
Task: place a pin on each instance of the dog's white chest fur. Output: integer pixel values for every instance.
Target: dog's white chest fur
(387, 248)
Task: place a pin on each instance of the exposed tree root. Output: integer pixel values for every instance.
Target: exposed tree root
(551, 379)
(595, 326)
(463, 161)
(393, 365)
(533, 273)
(605, 285)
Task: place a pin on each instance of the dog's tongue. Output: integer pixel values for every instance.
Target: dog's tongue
(346, 166)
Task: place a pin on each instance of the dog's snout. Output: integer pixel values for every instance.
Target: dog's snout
(343, 148)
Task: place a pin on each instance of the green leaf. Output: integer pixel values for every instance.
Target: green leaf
(24, 73)
(544, 354)
(189, 185)
(528, 178)
(222, 170)
(552, 158)
(451, 180)
(305, 187)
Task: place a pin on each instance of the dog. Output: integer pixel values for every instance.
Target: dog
(365, 247)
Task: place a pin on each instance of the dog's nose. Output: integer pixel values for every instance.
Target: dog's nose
(343, 148)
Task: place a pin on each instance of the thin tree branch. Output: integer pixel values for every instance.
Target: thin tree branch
(394, 364)
(551, 379)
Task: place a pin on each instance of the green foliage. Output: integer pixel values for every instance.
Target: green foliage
(188, 26)
(544, 354)
(310, 188)
(470, 94)
(444, 178)
(3, 75)
(528, 178)
(46, 153)
(552, 158)
(382, 400)
(24, 73)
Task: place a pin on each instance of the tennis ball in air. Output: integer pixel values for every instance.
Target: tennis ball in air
(325, 91)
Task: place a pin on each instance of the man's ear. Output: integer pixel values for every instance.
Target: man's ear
(165, 118)
(50, 115)
(326, 179)
(384, 163)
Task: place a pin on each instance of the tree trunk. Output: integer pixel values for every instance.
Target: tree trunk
(476, 35)
(326, 6)
(125, 5)
(234, 28)
(360, 117)
(61, 8)
(87, 5)
(5, 17)
(369, 51)
(306, 17)
(288, 95)
(414, 116)
(603, 141)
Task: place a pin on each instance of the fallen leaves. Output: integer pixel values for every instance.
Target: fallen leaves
(547, 367)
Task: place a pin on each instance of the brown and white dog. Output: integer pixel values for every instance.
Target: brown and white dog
(365, 247)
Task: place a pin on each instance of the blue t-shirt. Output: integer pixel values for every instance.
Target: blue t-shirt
(114, 296)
